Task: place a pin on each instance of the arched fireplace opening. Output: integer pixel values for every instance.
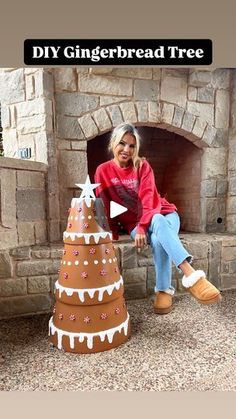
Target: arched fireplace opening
(177, 167)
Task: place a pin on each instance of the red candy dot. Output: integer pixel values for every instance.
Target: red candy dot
(92, 251)
(117, 310)
(86, 225)
(69, 225)
(75, 252)
(84, 275)
(60, 316)
(65, 275)
(107, 251)
(72, 317)
(103, 272)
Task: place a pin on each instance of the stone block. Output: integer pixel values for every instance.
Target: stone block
(24, 305)
(199, 78)
(188, 122)
(13, 287)
(192, 93)
(178, 117)
(174, 90)
(42, 144)
(167, 113)
(151, 280)
(146, 90)
(231, 223)
(115, 115)
(30, 179)
(40, 230)
(132, 292)
(9, 238)
(34, 123)
(136, 73)
(10, 143)
(29, 87)
(88, 126)
(208, 188)
(68, 127)
(21, 253)
(34, 107)
(128, 256)
(156, 73)
(222, 110)
(105, 85)
(30, 205)
(209, 135)
(79, 145)
(72, 168)
(101, 70)
(57, 253)
(231, 204)
(135, 275)
(75, 104)
(25, 233)
(38, 267)
(54, 233)
(232, 267)
(222, 186)
(205, 94)
(154, 112)
(204, 110)
(231, 158)
(215, 208)
(198, 249)
(128, 112)
(232, 185)
(108, 100)
(5, 116)
(228, 281)
(8, 198)
(65, 79)
(44, 83)
(142, 109)
(199, 127)
(102, 120)
(213, 163)
(38, 284)
(220, 78)
(40, 252)
(215, 263)
(6, 268)
(12, 86)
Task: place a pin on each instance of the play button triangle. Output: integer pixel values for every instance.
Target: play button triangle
(116, 209)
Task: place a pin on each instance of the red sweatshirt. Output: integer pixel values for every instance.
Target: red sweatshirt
(136, 190)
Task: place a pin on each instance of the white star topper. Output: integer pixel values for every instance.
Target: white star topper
(87, 188)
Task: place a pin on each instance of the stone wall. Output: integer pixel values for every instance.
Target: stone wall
(23, 203)
(28, 274)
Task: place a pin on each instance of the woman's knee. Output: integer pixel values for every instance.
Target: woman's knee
(158, 220)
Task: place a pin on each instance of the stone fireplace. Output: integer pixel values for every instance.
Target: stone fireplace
(187, 122)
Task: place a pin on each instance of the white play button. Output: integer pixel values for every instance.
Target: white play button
(116, 209)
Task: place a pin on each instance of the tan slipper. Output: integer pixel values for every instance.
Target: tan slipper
(162, 303)
(201, 289)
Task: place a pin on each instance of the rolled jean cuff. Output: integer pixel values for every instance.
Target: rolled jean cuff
(170, 291)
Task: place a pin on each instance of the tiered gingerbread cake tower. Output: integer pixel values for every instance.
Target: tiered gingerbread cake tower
(90, 314)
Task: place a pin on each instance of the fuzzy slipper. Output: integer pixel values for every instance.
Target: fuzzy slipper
(200, 288)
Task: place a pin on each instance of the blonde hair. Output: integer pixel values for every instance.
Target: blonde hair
(117, 135)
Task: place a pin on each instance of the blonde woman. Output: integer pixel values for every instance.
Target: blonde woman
(129, 180)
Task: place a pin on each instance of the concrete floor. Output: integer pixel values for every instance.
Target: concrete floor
(191, 348)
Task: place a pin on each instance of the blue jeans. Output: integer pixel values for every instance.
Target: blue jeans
(166, 248)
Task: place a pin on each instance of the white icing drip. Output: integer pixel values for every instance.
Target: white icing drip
(76, 201)
(90, 336)
(91, 291)
(87, 236)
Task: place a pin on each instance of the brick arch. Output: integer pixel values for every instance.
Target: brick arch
(160, 115)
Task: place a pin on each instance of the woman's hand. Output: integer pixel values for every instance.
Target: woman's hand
(140, 241)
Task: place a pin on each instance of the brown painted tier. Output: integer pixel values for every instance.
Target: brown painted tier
(87, 223)
(88, 329)
(88, 266)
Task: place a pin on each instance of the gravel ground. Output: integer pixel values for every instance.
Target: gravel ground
(191, 348)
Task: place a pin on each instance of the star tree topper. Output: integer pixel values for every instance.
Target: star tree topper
(87, 188)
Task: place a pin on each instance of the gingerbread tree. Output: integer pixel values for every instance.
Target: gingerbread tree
(90, 314)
